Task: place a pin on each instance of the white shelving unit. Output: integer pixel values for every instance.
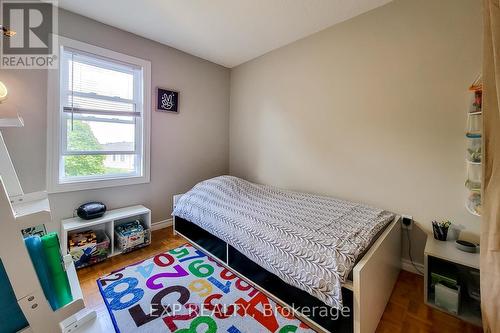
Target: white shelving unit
(474, 150)
(449, 258)
(107, 222)
(19, 211)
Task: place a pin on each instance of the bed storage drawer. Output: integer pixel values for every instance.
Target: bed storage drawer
(202, 238)
(297, 298)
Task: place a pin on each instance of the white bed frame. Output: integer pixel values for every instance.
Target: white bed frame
(373, 279)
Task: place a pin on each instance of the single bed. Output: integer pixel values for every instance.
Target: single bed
(304, 250)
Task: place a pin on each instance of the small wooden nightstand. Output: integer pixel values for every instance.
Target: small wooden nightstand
(443, 258)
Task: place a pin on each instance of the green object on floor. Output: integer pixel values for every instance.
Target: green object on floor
(55, 266)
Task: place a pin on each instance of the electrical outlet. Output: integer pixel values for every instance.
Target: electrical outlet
(407, 222)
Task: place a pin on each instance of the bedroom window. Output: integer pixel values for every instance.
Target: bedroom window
(101, 131)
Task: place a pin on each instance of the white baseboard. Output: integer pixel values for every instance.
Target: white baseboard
(162, 224)
(408, 266)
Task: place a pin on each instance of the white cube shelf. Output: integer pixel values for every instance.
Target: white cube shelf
(107, 222)
(444, 258)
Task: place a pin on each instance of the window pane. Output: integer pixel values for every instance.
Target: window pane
(100, 134)
(87, 78)
(99, 165)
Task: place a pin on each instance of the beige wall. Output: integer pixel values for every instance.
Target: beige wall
(185, 148)
(371, 110)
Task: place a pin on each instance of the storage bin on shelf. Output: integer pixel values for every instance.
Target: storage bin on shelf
(476, 101)
(474, 146)
(474, 124)
(473, 286)
(88, 247)
(446, 291)
(473, 203)
(447, 297)
(473, 186)
(474, 171)
(131, 235)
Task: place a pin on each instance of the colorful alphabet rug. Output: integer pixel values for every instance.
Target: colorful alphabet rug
(185, 291)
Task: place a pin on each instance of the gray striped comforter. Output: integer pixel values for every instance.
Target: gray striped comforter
(309, 241)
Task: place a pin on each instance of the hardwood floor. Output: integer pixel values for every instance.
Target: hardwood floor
(405, 312)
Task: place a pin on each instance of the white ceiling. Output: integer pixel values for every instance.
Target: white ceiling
(227, 32)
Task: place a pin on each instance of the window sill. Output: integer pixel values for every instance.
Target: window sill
(96, 184)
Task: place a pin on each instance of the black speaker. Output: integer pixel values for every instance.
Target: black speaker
(91, 210)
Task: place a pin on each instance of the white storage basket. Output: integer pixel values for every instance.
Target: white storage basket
(447, 298)
(474, 124)
(474, 153)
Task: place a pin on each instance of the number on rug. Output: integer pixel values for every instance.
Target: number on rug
(199, 254)
(199, 269)
(289, 329)
(179, 272)
(116, 297)
(233, 329)
(217, 309)
(266, 318)
(223, 287)
(200, 286)
(244, 286)
(179, 252)
(193, 328)
(140, 317)
(105, 281)
(194, 310)
(145, 270)
(159, 260)
(226, 274)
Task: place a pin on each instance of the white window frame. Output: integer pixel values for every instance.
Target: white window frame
(56, 139)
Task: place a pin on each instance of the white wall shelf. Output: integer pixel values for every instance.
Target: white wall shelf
(19, 211)
(16, 214)
(12, 122)
(107, 222)
(31, 210)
